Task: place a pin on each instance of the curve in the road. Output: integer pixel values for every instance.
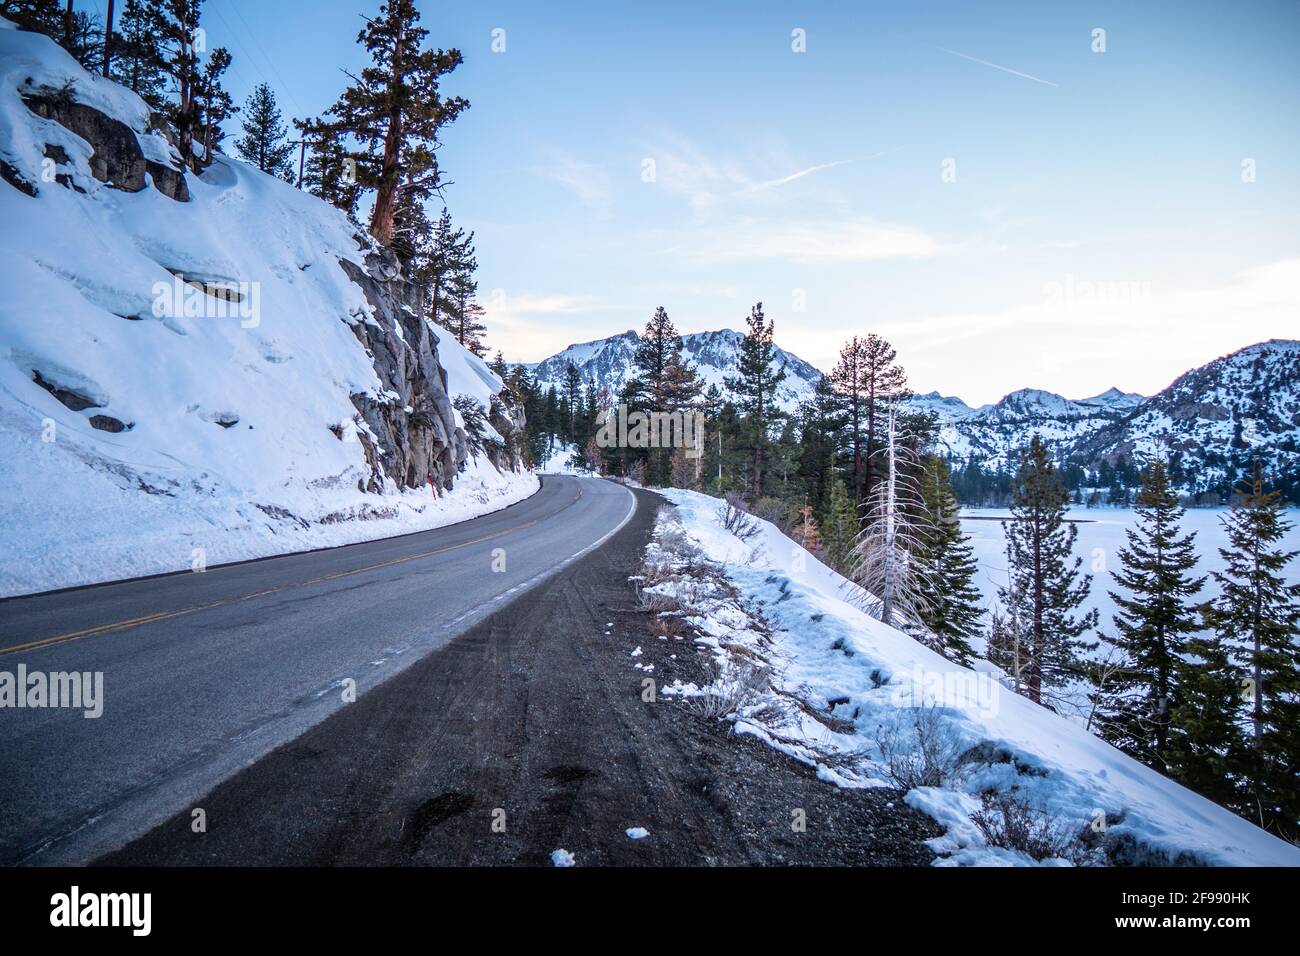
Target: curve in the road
(205, 672)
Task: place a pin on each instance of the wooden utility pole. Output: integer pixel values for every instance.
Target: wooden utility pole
(67, 27)
(302, 152)
(108, 37)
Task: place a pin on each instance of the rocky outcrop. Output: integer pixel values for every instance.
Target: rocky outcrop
(414, 436)
(117, 160)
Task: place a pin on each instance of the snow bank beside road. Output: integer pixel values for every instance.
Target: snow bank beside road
(858, 683)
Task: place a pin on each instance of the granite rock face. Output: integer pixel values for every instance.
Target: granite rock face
(416, 439)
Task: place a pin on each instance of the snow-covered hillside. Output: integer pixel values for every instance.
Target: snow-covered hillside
(199, 369)
(608, 363)
(849, 696)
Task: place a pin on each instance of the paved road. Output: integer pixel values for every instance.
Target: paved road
(204, 673)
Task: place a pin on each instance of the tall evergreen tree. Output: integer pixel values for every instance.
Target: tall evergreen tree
(1156, 618)
(1256, 616)
(464, 316)
(264, 143)
(572, 402)
(755, 389)
(177, 25)
(869, 378)
(950, 610)
(821, 421)
(214, 104)
(395, 109)
(77, 31)
(1205, 739)
(137, 61)
(1045, 585)
(667, 383)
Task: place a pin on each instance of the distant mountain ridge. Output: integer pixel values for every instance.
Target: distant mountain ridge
(609, 363)
(1211, 420)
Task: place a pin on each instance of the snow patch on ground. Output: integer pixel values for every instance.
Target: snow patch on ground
(801, 667)
(559, 460)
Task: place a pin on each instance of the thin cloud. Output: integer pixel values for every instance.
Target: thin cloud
(996, 66)
(774, 183)
(587, 181)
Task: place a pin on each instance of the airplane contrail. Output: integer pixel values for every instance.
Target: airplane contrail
(1004, 69)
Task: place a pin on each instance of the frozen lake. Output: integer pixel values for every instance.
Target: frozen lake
(1101, 536)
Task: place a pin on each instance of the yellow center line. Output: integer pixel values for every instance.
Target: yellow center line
(164, 615)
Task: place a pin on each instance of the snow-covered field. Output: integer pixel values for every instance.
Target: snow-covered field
(859, 684)
(1101, 536)
(234, 434)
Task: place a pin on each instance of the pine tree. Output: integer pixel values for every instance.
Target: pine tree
(1044, 583)
(821, 423)
(329, 171)
(572, 402)
(76, 31)
(394, 110)
(214, 103)
(869, 378)
(666, 383)
(1255, 616)
(1001, 643)
(38, 16)
(1204, 736)
(177, 23)
(137, 61)
(950, 610)
(464, 315)
(1156, 618)
(264, 143)
(839, 526)
(755, 389)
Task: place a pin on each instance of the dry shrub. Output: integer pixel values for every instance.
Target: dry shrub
(735, 685)
(735, 517)
(920, 749)
(656, 602)
(670, 625)
(1010, 820)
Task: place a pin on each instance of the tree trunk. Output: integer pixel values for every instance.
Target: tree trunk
(108, 37)
(381, 222)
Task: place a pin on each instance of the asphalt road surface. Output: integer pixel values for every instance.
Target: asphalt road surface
(205, 673)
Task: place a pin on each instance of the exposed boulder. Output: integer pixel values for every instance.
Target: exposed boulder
(117, 159)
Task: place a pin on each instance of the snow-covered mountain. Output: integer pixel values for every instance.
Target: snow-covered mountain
(993, 434)
(198, 369)
(1215, 418)
(1210, 421)
(608, 363)
(1211, 418)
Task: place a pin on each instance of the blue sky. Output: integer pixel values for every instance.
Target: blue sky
(1098, 231)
